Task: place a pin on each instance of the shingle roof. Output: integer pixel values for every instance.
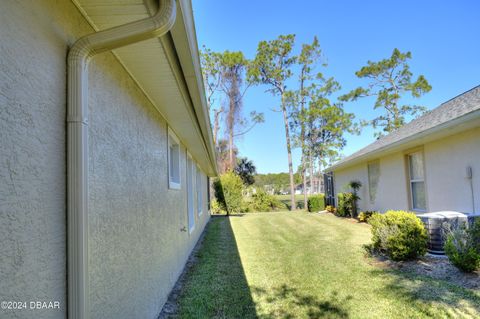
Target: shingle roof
(452, 109)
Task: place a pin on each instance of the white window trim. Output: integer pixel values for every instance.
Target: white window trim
(172, 184)
(199, 173)
(411, 181)
(190, 229)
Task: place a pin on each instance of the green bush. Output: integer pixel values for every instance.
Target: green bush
(400, 235)
(316, 203)
(215, 207)
(263, 202)
(229, 192)
(345, 204)
(363, 217)
(463, 247)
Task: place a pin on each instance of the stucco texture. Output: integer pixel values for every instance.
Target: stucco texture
(32, 151)
(448, 187)
(136, 248)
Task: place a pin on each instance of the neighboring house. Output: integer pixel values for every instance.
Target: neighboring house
(430, 164)
(318, 186)
(104, 182)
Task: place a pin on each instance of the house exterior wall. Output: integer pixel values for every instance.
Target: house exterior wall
(445, 162)
(136, 248)
(343, 177)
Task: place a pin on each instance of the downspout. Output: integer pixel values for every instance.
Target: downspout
(77, 140)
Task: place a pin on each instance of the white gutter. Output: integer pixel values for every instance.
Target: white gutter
(77, 142)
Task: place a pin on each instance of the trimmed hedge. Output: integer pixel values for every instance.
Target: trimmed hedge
(316, 203)
(400, 235)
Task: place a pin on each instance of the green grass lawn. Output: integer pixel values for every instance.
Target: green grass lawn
(300, 265)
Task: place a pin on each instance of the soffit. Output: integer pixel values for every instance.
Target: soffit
(155, 67)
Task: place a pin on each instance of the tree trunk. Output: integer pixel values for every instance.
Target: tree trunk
(230, 143)
(216, 125)
(302, 137)
(311, 173)
(304, 169)
(304, 180)
(319, 174)
(289, 151)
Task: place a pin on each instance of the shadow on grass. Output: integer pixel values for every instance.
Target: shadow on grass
(216, 286)
(299, 204)
(428, 294)
(297, 304)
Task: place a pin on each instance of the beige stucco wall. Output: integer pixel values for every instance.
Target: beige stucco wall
(447, 160)
(392, 191)
(136, 247)
(137, 250)
(343, 177)
(447, 187)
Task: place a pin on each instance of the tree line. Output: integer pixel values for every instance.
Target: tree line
(313, 114)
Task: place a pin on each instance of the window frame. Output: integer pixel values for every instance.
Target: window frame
(410, 181)
(173, 139)
(369, 179)
(199, 190)
(190, 189)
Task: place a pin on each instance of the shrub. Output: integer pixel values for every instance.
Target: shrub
(215, 207)
(229, 192)
(330, 208)
(400, 235)
(363, 217)
(462, 247)
(345, 204)
(263, 202)
(315, 203)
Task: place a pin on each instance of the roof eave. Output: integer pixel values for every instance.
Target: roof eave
(460, 124)
(185, 41)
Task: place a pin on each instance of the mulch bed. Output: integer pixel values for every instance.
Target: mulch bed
(438, 267)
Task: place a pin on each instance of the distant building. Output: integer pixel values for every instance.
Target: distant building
(430, 164)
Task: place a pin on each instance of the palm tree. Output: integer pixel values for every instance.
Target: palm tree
(246, 170)
(355, 186)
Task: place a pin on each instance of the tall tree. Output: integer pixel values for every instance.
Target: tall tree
(389, 79)
(327, 124)
(223, 155)
(223, 75)
(272, 66)
(211, 62)
(307, 60)
(233, 65)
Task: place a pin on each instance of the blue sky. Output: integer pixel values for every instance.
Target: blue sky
(443, 37)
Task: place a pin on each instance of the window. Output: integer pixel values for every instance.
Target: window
(190, 194)
(417, 181)
(373, 177)
(199, 192)
(173, 161)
